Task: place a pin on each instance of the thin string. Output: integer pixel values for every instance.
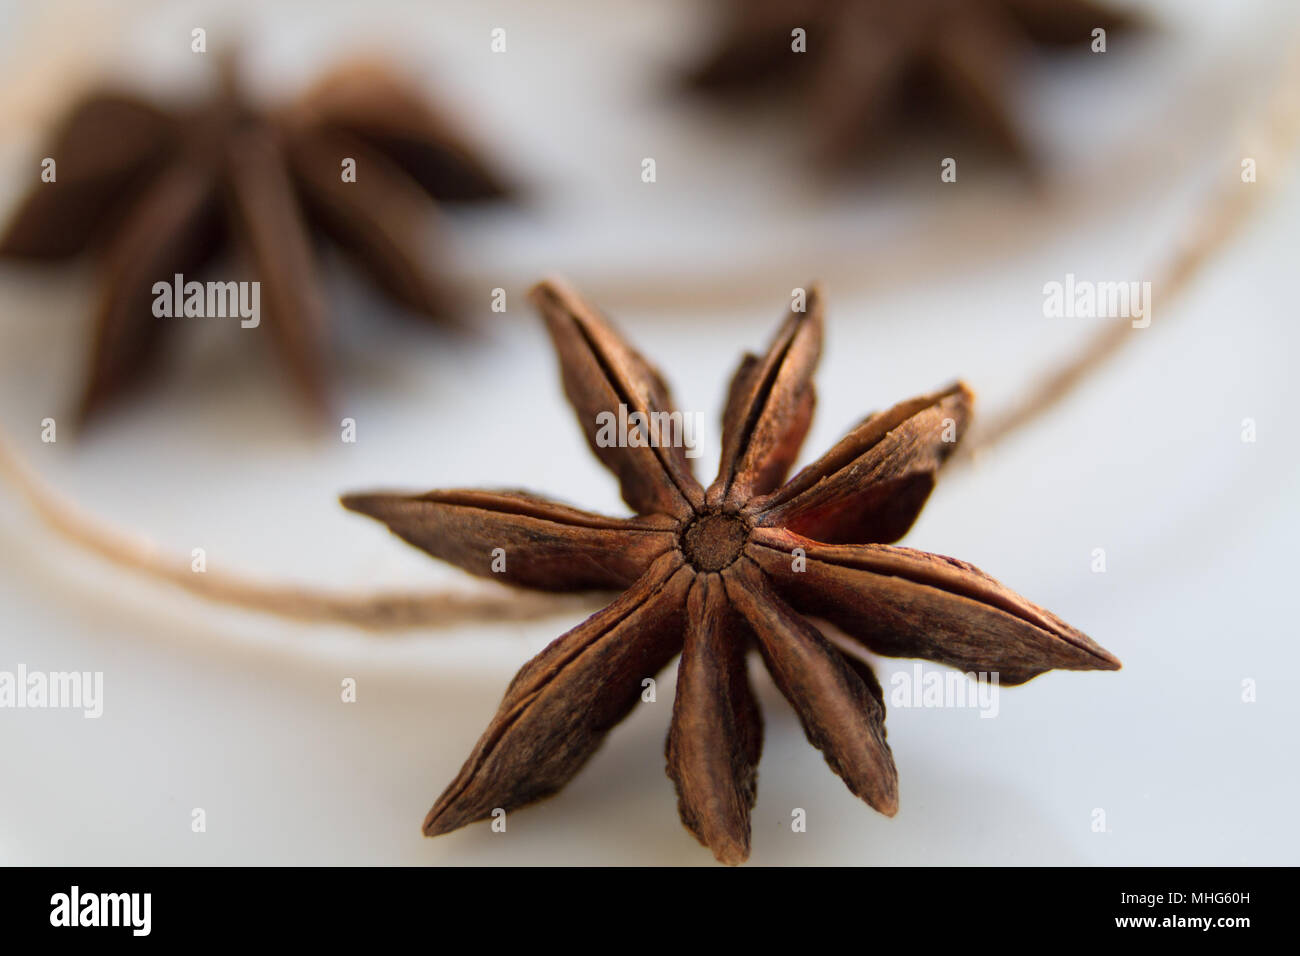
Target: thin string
(390, 611)
(1216, 223)
(1213, 226)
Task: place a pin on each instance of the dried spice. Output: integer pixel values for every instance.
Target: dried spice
(867, 64)
(158, 192)
(711, 574)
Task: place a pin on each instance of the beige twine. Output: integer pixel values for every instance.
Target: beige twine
(379, 612)
(1214, 224)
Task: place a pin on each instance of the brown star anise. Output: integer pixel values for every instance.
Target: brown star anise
(869, 63)
(160, 192)
(713, 573)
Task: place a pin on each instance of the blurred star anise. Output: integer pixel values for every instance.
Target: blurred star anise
(869, 63)
(155, 192)
(712, 574)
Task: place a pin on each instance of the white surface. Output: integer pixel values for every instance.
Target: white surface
(240, 714)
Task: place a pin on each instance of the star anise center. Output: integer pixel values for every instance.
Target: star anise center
(710, 542)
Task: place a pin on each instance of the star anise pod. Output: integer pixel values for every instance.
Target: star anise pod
(869, 63)
(156, 192)
(712, 573)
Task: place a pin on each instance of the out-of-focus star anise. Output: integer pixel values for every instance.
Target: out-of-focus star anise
(712, 573)
(158, 192)
(869, 63)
